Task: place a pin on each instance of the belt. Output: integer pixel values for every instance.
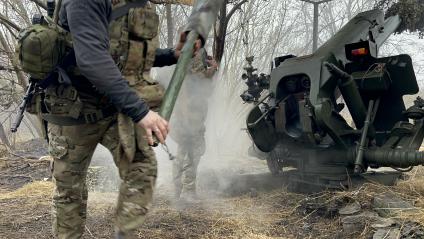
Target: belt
(86, 117)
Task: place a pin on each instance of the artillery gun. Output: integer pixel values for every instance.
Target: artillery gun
(299, 123)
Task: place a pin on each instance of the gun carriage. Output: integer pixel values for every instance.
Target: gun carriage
(300, 122)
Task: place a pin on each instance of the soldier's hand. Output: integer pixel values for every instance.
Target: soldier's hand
(182, 41)
(154, 123)
(212, 63)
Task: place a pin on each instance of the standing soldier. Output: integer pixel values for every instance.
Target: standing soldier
(189, 124)
(84, 113)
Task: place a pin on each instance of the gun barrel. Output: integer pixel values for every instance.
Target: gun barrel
(21, 110)
(394, 158)
(17, 122)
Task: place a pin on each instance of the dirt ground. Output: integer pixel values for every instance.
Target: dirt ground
(273, 212)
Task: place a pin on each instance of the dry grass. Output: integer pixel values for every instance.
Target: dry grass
(30, 192)
(270, 215)
(411, 190)
(274, 214)
(26, 211)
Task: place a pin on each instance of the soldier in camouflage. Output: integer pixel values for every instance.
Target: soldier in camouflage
(85, 113)
(189, 124)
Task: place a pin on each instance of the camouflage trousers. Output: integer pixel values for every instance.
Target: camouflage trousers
(184, 172)
(72, 148)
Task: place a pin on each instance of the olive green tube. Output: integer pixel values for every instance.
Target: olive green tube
(177, 79)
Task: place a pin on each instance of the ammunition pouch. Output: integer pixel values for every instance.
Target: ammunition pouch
(136, 31)
(143, 22)
(34, 106)
(64, 106)
(133, 44)
(134, 62)
(63, 100)
(152, 93)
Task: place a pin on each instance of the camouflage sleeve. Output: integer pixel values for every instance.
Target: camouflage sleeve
(165, 57)
(88, 23)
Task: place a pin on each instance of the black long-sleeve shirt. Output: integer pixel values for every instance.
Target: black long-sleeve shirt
(88, 21)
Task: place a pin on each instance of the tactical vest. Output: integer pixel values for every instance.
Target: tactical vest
(133, 43)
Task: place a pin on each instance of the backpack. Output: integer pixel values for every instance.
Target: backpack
(41, 47)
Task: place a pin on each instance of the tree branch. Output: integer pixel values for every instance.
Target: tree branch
(6, 21)
(234, 9)
(183, 2)
(13, 33)
(40, 4)
(21, 77)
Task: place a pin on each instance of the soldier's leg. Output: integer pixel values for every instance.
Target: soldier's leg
(177, 169)
(190, 165)
(71, 148)
(138, 180)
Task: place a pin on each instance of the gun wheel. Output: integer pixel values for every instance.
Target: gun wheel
(275, 162)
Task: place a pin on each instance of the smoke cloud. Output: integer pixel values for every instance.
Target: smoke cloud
(226, 157)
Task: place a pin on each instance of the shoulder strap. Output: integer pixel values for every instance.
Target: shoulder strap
(121, 11)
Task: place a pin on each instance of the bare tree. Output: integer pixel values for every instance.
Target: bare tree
(14, 16)
(222, 26)
(170, 25)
